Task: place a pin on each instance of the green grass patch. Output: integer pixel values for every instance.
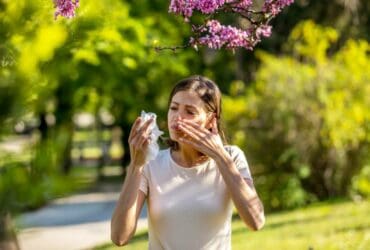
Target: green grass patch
(321, 226)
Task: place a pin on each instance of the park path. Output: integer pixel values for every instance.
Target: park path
(80, 221)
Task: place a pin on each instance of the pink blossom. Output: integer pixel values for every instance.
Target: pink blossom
(263, 30)
(183, 7)
(275, 6)
(215, 35)
(219, 36)
(209, 6)
(66, 8)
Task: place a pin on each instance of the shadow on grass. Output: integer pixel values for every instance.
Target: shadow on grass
(356, 228)
(283, 223)
(143, 236)
(140, 237)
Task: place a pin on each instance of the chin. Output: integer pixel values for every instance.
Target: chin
(174, 136)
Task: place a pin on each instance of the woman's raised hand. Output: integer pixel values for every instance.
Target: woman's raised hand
(139, 140)
(206, 141)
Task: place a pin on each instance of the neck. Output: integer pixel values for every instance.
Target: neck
(188, 156)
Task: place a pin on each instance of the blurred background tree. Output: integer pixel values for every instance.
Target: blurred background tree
(305, 120)
(53, 69)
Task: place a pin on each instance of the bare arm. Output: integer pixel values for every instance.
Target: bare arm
(243, 194)
(242, 191)
(127, 211)
(131, 200)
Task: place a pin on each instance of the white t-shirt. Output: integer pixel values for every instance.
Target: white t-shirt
(189, 208)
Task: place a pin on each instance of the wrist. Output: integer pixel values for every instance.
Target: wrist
(134, 169)
(223, 158)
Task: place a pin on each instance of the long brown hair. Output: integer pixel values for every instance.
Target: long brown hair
(210, 94)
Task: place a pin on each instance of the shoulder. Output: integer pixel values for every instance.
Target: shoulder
(238, 156)
(240, 160)
(233, 150)
(158, 165)
(162, 156)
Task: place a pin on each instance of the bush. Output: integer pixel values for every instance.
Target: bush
(305, 121)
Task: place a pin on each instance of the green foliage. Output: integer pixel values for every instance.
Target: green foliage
(329, 226)
(103, 58)
(26, 186)
(361, 182)
(305, 122)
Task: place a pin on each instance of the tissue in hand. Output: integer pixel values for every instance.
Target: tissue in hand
(153, 147)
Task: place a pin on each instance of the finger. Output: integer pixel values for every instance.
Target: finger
(141, 142)
(144, 128)
(133, 131)
(193, 124)
(146, 142)
(137, 139)
(189, 142)
(149, 129)
(195, 129)
(134, 141)
(189, 131)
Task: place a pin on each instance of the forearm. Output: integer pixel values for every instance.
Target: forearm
(245, 198)
(124, 219)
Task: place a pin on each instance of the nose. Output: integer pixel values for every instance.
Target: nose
(178, 118)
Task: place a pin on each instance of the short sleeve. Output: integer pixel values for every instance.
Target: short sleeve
(144, 182)
(240, 161)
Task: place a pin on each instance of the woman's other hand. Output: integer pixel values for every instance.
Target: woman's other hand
(200, 138)
(139, 140)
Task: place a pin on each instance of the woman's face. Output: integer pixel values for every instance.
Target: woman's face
(186, 105)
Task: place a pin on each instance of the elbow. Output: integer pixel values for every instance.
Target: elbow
(119, 241)
(120, 238)
(258, 223)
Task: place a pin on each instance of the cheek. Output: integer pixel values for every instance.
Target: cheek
(169, 116)
(198, 120)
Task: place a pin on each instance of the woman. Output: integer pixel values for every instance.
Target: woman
(191, 186)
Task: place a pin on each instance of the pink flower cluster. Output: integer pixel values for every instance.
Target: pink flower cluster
(215, 35)
(66, 8)
(218, 36)
(186, 7)
(275, 6)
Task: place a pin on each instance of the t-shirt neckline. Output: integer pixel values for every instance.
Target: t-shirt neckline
(192, 168)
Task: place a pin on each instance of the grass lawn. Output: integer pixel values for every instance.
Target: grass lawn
(326, 225)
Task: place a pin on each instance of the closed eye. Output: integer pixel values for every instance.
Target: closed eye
(190, 112)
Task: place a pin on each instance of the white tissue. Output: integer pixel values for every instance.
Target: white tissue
(153, 147)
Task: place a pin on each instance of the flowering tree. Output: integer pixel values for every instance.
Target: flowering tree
(215, 35)
(210, 32)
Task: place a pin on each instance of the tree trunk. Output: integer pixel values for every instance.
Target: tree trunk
(352, 167)
(66, 161)
(125, 160)
(239, 68)
(43, 127)
(8, 238)
(64, 124)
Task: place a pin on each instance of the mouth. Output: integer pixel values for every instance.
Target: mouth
(175, 127)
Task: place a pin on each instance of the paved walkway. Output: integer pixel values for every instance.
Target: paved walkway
(77, 222)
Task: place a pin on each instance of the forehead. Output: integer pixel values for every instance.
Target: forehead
(188, 98)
